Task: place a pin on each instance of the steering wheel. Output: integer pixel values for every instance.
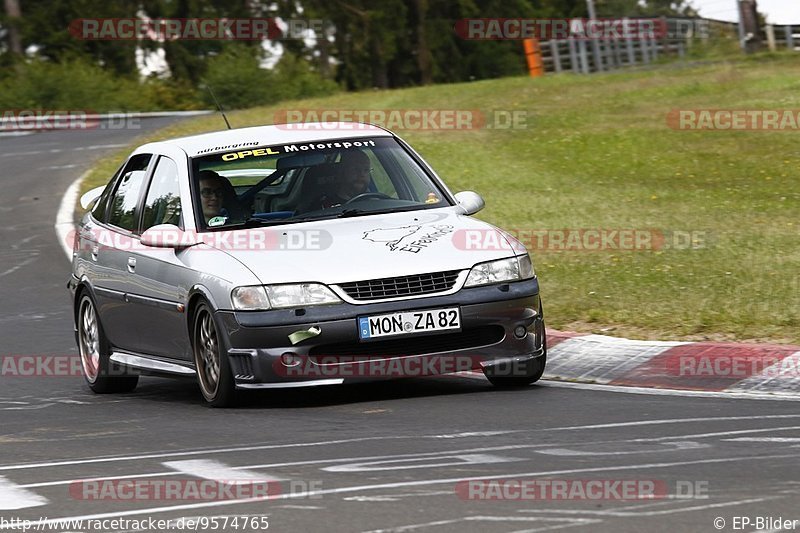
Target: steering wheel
(365, 195)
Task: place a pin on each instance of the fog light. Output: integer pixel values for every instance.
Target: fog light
(520, 332)
(289, 359)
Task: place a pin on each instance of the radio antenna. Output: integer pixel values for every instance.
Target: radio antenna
(219, 107)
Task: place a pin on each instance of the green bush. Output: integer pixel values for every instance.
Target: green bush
(78, 84)
(238, 81)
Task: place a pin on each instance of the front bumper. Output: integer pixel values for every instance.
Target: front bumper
(500, 324)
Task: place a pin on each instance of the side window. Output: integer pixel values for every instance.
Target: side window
(163, 203)
(99, 209)
(123, 204)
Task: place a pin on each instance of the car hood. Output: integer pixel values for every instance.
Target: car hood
(368, 247)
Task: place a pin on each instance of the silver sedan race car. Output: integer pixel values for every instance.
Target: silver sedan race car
(296, 255)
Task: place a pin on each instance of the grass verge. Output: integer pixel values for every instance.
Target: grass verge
(597, 154)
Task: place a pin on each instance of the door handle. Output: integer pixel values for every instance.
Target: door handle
(131, 264)
(95, 251)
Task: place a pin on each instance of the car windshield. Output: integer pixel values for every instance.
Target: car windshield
(288, 183)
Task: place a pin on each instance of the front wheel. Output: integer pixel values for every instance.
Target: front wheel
(101, 374)
(213, 370)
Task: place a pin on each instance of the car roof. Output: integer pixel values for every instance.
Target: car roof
(244, 138)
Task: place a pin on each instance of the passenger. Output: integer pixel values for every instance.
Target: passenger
(214, 195)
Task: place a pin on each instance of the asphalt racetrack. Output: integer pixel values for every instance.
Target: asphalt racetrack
(429, 454)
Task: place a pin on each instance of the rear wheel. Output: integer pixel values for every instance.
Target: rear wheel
(213, 370)
(101, 374)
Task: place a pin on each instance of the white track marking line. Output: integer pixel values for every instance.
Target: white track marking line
(765, 439)
(66, 214)
(17, 267)
(427, 455)
(565, 523)
(403, 464)
(728, 394)
(400, 484)
(668, 421)
(217, 471)
(15, 497)
(719, 434)
(124, 458)
(624, 513)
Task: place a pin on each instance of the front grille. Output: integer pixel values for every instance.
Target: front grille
(418, 345)
(376, 289)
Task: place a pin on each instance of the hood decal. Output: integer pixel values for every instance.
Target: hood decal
(413, 238)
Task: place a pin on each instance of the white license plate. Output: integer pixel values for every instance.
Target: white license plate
(409, 323)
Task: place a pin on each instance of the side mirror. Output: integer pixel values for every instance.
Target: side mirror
(89, 198)
(471, 202)
(168, 236)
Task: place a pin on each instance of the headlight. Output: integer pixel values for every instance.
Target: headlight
(249, 298)
(503, 270)
(282, 296)
(525, 267)
(300, 294)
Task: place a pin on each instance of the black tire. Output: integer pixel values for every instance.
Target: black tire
(213, 368)
(101, 375)
(518, 375)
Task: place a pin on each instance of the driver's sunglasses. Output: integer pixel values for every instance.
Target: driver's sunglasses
(208, 192)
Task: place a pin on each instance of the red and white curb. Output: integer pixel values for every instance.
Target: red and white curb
(689, 366)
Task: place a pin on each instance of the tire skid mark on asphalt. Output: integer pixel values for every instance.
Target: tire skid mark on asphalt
(405, 484)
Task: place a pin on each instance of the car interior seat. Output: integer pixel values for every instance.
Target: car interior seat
(318, 181)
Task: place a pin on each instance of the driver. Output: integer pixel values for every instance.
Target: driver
(353, 179)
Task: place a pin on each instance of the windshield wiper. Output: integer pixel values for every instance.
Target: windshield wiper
(347, 213)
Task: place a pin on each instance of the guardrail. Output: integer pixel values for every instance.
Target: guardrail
(598, 55)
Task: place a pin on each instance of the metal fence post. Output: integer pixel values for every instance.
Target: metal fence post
(598, 59)
(584, 57)
(555, 54)
(617, 54)
(771, 37)
(573, 56)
